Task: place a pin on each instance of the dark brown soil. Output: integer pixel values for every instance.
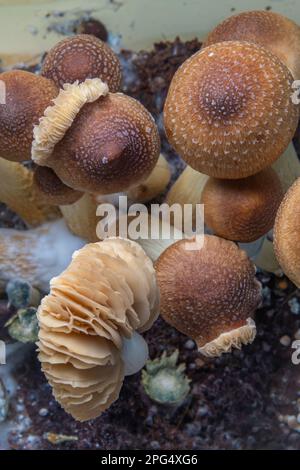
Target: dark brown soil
(239, 401)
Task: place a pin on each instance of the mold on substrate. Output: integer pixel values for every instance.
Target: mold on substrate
(245, 400)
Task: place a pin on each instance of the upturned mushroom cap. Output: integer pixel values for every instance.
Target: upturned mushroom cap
(108, 291)
(51, 190)
(229, 112)
(287, 233)
(209, 294)
(242, 210)
(271, 30)
(111, 144)
(80, 57)
(27, 97)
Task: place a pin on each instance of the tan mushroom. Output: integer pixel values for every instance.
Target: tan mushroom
(103, 147)
(287, 234)
(229, 112)
(242, 210)
(27, 96)
(209, 294)
(94, 309)
(80, 57)
(268, 29)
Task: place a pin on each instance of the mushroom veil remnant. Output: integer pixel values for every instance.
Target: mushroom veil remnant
(229, 112)
(287, 234)
(96, 141)
(27, 97)
(209, 294)
(89, 324)
(80, 57)
(268, 29)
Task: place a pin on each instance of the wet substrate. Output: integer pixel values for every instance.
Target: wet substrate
(245, 400)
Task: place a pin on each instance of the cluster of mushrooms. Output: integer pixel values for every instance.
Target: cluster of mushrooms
(230, 116)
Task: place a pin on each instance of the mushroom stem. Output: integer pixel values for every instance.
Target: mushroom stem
(36, 255)
(135, 353)
(287, 167)
(17, 192)
(81, 216)
(188, 188)
(253, 249)
(154, 185)
(266, 259)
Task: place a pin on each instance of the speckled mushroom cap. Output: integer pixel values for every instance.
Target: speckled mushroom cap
(27, 97)
(209, 294)
(287, 234)
(51, 190)
(80, 57)
(108, 291)
(269, 29)
(111, 144)
(229, 112)
(242, 210)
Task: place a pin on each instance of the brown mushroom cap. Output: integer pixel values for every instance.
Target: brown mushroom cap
(112, 144)
(287, 233)
(209, 294)
(108, 291)
(51, 190)
(242, 210)
(229, 112)
(80, 57)
(27, 97)
(271, 30)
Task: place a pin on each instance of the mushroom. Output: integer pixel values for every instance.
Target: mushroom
(188, 188)
(209, 294)
(51, 190)
(38, 254)
(242, 210)
(287, 234)
(80, 57)
(90, 324)
(17, 192)
(229, 112)
(271, 30)
(104, 147)
(27, 97)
